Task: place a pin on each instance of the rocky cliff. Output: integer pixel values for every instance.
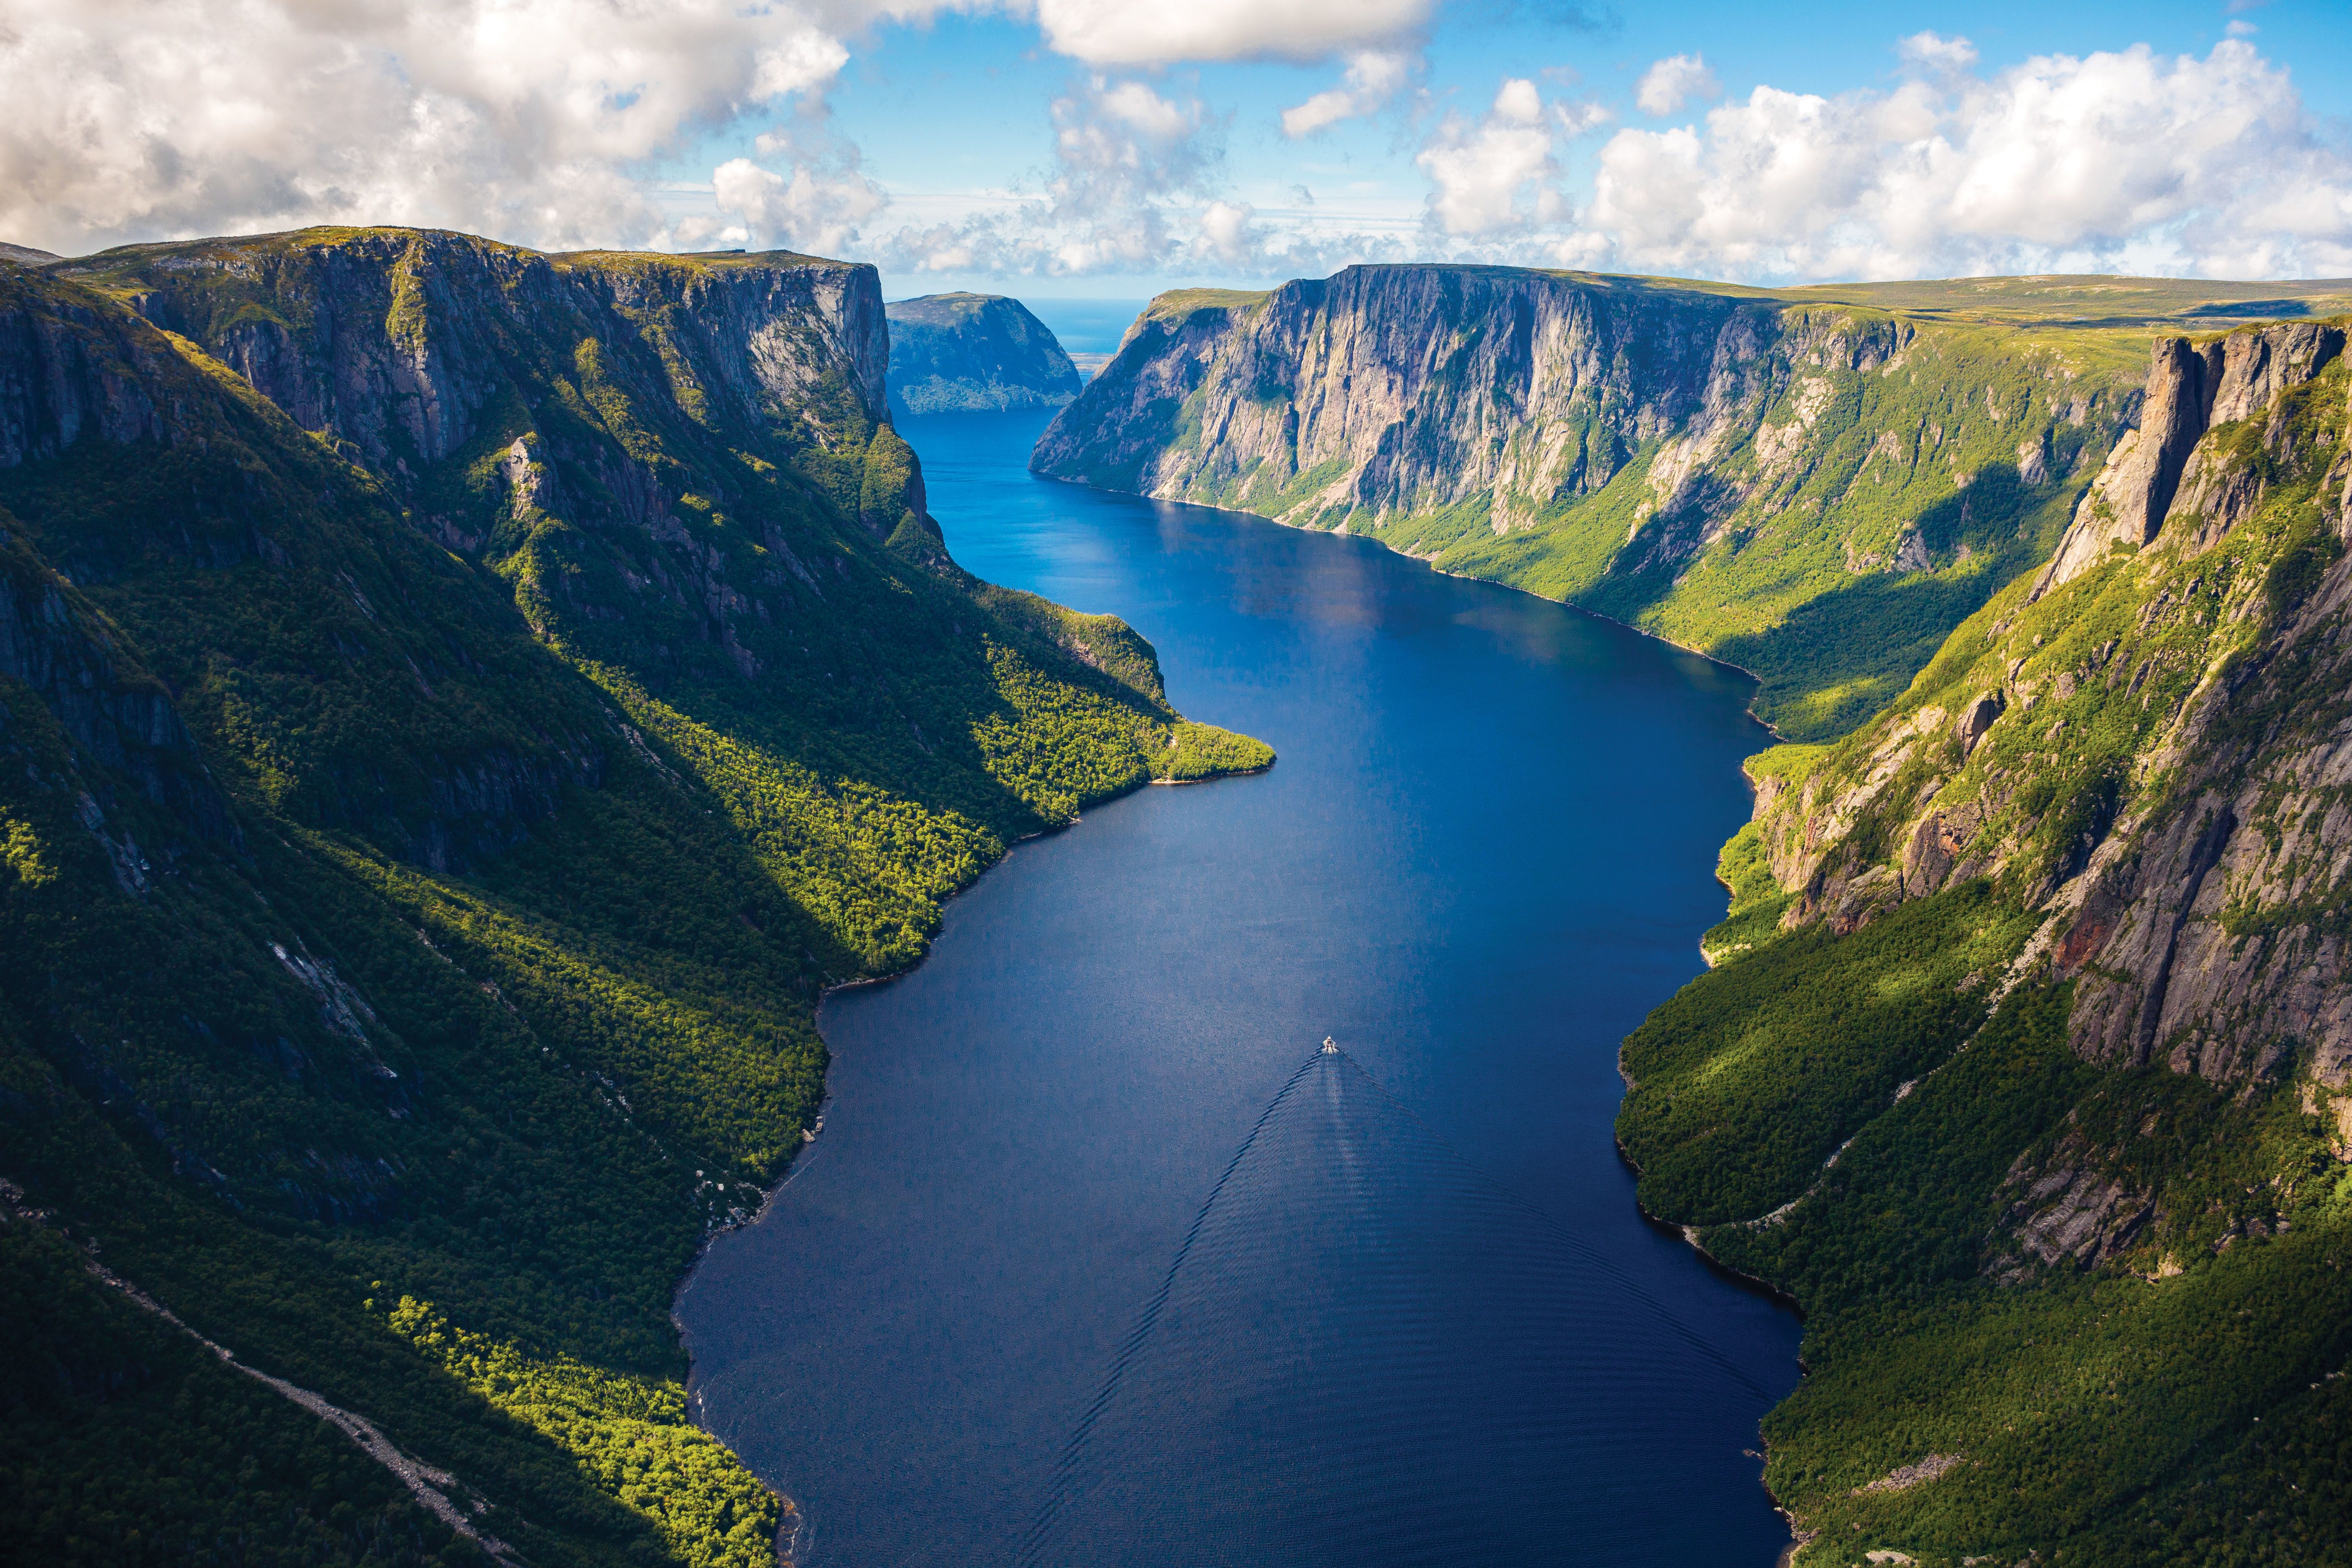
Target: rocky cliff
(2030, 1034)
(966, 354)
(2148, 760)
(1817, 490)
(460, 709)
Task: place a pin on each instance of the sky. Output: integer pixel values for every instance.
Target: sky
(1083, 149)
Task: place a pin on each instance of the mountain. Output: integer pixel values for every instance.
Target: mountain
(1816, 484)
(967, 353)
(459, 707)
(2025, 1065)
(26, 255)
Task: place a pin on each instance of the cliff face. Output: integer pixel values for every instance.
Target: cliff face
(138, 478)
(1818, 493)
(458, 707)
(2026, 1064)
(489, 389)
(2189, 391)
(395, 341)
(1404, 390)
(2192, 890)
(964, 353)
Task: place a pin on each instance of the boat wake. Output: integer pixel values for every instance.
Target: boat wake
(1366, 1351)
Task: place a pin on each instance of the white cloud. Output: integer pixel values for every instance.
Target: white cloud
(1935, 54)
(1516, 102)
(1137, 186)
(1137, 108)
(1119, 145)
(816, 208)
(1225, 232)
(1495, 174)
(1578, 119)
(1130, 191)
(533, 120)
(2125, 159)
(542, 121)
(1375, 77)
(1161, 32)
(1666, 86)
(1324, 108)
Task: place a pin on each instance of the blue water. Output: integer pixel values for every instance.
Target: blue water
(1100, 1260)
(1085, 326)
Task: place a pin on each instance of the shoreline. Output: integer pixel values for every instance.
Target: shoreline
(795, 1516)
(1430, 562)
(1754, 1285)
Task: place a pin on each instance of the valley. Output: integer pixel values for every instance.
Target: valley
(464, 708)
(2019, 1066)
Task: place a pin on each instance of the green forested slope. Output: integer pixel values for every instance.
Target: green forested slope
(433, 798)
(2024, 1068)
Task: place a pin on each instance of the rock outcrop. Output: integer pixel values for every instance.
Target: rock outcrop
(970, 353)
(2188, 851)
(57, 648)
(2189, 391)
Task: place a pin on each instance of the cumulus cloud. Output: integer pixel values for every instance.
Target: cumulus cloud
(1578, 119)
(1159, 32)
(1496, 174)
(1375, 77)
(543, 121)
(1130, 189)
(2115, 160)
(816, 206)
(1225, 231)
(1674, 82)
(1136, 185)
(528, 119)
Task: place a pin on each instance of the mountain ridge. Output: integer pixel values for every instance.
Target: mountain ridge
(1785, 480)
(438, 791)
(2022, 1064)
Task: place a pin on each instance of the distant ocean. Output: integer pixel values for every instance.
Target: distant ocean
(1089, 330)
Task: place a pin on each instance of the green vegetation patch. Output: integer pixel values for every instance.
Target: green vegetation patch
(1202, 751)
(2185, 1405)
(2056, 1310)
(633, 1436)
(1753, 1075)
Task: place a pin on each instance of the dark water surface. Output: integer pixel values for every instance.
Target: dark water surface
(1100, 1261)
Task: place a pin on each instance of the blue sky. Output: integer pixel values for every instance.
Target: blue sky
(1102, 148)
(947, 109)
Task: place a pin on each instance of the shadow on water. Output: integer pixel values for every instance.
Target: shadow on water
(1485, 855)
